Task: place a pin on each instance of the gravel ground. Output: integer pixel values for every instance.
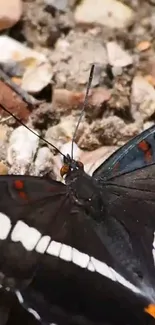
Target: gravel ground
(120, 42)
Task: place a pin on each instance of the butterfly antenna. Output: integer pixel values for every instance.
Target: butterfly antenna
(39, 136)
(84, 106)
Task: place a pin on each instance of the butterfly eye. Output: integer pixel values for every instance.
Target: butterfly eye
(80, 164)
(64, 170)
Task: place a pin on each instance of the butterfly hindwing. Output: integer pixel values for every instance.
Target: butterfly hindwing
(24, 220)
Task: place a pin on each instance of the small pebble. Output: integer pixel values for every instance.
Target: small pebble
(150, 79)
(43, 160)
(93, 159)
(61, 133)
(36, 78)
(67, 149)
(143, 46)
(110, 13)
(22, 146)
(57, 4)
(10, 13)
(117, 56)
(3, 169)
(71, 99)
(4, 132)
(142, 99)
(147, 125)
(12, 50)
(117, 71)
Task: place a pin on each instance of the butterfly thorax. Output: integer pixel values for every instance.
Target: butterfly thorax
(83, 189)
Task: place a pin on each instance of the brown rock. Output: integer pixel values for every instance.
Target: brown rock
(143, 46)
(12, 102)
(70, 99)
(10, 13)
(142, 99)
(3, 169)
(150, 79)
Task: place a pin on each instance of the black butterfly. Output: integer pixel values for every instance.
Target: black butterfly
(84, 252)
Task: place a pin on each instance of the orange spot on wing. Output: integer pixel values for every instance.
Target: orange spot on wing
(150, 309)
(23, 195)
(18, 184)
(143, 145)
(148, 156)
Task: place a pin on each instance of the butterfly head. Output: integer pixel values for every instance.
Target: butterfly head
(70, 165)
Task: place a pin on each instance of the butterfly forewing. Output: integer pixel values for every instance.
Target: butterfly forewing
(129, 201)
(128, 181)
(137, 153)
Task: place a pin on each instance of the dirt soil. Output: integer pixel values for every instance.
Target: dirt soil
(117, 107)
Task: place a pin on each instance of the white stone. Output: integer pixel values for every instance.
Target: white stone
(67, 148)
(57, 4)
(9, 47)
(22, 146)
(110, 13)
(118, 57)
(43, 160)
(142, 99)
(62, 132)
(36, 78)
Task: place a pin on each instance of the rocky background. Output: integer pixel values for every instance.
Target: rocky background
(46, 51)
